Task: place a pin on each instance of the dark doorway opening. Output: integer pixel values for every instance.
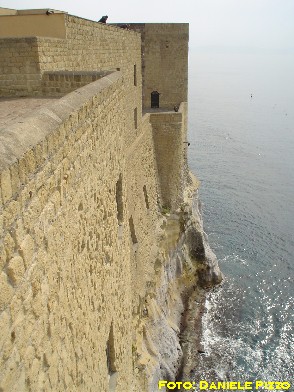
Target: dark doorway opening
(155, 99)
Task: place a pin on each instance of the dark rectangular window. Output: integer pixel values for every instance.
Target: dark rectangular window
(146, 197)
(135, 75)
(132, 230)
(119, 200)
(136, 118)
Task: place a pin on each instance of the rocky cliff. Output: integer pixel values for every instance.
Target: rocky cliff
(169, 330)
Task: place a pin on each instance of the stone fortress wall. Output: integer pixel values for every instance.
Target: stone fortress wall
(90, 200)
(164, 61)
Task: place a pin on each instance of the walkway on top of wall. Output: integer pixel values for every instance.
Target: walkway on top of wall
(40, 123)
(13, 110)
(162, 110)
(155, 110)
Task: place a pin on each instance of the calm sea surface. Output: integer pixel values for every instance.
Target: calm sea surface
(242, 150)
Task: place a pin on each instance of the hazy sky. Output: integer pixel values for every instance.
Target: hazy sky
(262, 24)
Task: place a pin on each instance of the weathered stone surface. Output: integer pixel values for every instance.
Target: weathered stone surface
(15, 270)
(97, 256)
(6, 291)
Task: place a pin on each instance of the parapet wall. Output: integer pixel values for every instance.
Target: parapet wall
(59, 83)
(61, 257)
(80, 217)
(86, 265)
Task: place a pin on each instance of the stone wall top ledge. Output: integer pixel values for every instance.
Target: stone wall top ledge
(21, 137)
(106, 26)
(166, 117)
(19, 39)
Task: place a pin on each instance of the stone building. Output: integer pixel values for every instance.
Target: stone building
(94, 203)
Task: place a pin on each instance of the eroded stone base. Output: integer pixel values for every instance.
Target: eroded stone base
(169, 333)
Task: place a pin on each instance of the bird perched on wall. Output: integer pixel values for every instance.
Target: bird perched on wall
(176, 108)
(103, 19)
(49, 12)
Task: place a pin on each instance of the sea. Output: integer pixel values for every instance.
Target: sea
(241, 130)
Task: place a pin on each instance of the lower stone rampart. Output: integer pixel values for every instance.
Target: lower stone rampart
(95, 264)
(169, 135)
(60, 83)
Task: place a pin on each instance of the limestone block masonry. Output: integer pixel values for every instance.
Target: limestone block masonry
(164, 61)
(99, 246)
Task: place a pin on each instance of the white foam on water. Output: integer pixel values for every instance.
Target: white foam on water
(235, 357)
